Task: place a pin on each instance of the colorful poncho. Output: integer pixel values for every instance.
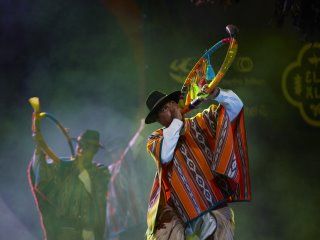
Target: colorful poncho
(209, 166)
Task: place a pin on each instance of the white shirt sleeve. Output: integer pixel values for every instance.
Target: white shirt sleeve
(231, 102)
(227, 98)
(171, 136)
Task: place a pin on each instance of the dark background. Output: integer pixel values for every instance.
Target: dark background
(92, 64)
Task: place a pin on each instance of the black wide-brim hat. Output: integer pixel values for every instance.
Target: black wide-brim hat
(156, 100)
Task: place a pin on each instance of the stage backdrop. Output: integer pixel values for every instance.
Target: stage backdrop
(92, 64)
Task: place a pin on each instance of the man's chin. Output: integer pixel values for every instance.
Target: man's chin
(170, 122)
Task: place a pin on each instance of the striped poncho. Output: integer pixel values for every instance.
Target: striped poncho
(209, 166)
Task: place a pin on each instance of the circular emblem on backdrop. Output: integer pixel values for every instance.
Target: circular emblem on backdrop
(301, 83)
(243, 64)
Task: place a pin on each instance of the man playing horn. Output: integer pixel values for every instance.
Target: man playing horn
(70, 192)
(202, 166)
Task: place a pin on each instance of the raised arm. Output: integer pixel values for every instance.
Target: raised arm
(171, 136)
(43, 169)
(230, 101)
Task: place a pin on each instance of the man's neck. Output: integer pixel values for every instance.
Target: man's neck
(82, 160)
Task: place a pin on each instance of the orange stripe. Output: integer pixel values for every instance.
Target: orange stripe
(157, 150)
(205, 168)
(189, 178)
(207, 132)
(185, 201)
(225, 155)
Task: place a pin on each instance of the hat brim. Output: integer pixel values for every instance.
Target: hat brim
(151, 117)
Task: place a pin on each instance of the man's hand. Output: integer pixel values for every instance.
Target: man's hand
(215, 92)
(176, 112)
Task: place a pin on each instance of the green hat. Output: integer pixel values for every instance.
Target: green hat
(90, 137)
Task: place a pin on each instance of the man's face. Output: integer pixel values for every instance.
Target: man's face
(165, 115)
(87, 149)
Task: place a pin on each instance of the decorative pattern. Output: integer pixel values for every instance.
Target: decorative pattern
(207, 168)
(197, 176)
